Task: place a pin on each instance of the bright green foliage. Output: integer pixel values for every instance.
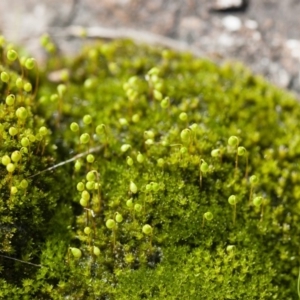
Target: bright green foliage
(148, 216)
(26, 203)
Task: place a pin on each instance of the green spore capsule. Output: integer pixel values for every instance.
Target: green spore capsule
(90, 176)
(19, 83)
(233, 141)
(204, 166)
(90, 185)
(148, 187)
(125, 147)
(10, 100)
(165, 103)
(215, 153)
(16, 156)
(132, 187)
(183, 117)
(64, 75)
(230, 248)
(147, 229)
(138, 207)
(27, 87)
(13, 190)
(44, 39)
(110, 224)
(54, 97)
(257, 201)
(24, 184)
(87, 230)
(148, 134)
(129, 161)
(253, 179)
(154, 186)
(119, 217)
(154, 71)
(96, 251)
(13, 131)
(84, 138)
(135, 118)
(10, 168)
(4, 77)
(183, 150)
(80, 186)
(5, 160)
(129, 203)
(208, 216)
(157, 95)
(232, 200)
(84, 202)
(76, 252)
(194, 127)
(43, 131)
(87, 119)
(149, 142)
(100, 129)
(61, 89)
(90, 158)
(140, 158)
(24, 150)
(21, 113)
(77, 165)
(32, 138)
(185, 135)
(12, 55)
(89, 83)
(74, 127)
(85, 195)
(29, 63)
(123, 122)
(241, 151)
(160, 162)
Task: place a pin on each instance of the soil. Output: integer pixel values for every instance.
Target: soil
(264, 34)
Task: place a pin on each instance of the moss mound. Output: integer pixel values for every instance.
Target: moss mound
(178, 178)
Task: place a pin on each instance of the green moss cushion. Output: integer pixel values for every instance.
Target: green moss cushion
(170, 178)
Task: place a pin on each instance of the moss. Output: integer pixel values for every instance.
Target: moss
(164, 159)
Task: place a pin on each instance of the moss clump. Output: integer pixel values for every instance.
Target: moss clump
(182, 180)
(26, 203)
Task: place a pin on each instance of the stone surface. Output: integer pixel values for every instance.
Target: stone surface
(228, 4)
(232, 23)
(265, 36)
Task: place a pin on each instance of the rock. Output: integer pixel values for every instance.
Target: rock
(229, 5)
(283, 78)
(189, 28)
(232, 23)
(295, 83)
(226, 40)
(251, 24)
(294, 47)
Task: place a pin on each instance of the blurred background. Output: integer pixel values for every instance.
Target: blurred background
(264, 34)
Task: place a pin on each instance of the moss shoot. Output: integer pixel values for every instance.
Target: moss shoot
(142, 173)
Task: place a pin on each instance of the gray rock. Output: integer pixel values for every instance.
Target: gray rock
(225, 5)
(232, 23)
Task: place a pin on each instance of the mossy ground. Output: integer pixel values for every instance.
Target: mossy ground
(156, 116)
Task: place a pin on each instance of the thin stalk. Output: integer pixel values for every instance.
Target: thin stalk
(234, 214)
(22, 261)
(92, 150)
(298, 284)
(246, 171)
